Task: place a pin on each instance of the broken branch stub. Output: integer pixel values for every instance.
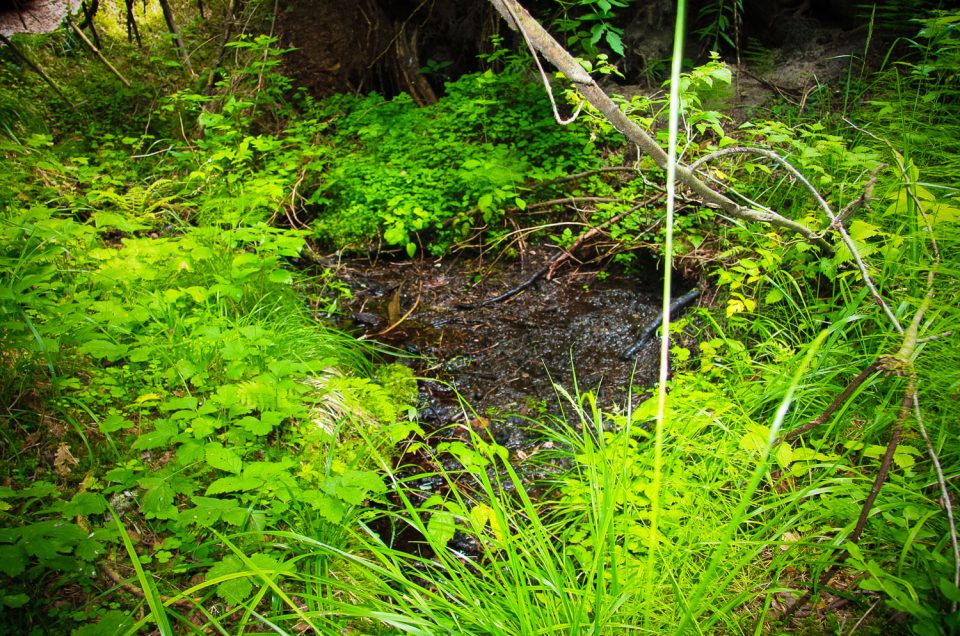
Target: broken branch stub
(519, 18)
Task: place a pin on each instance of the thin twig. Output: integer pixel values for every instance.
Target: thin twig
(519, 19)
(837, 403)
(944, 494)
(835, 223)
(399, 322)
(554, 261)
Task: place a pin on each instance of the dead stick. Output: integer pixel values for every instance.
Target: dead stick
(93, 49)
(878, 482)
(837, 403)
(36, 69)
(557, 258)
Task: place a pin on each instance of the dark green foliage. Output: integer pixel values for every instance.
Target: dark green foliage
(441, 169)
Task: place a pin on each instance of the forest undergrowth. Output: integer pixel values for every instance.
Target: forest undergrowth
(188, 445)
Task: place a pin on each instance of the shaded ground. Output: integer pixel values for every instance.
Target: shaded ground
(505, 357)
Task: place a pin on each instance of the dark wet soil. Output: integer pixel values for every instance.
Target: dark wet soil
(504, 358)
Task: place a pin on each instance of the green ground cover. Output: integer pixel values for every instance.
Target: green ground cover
(188, 446)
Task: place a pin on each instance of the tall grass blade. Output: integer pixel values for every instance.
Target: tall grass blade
(674, 125)
(697, 602)
(157, 609)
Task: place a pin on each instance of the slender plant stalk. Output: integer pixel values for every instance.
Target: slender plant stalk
(674, 127)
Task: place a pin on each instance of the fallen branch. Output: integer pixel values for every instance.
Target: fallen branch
(35, 68)
(518, 18)
(651, 327)
(554, 261)
(93, 49)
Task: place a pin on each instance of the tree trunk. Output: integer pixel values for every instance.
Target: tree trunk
(175, 32)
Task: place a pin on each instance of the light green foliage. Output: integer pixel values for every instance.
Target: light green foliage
(171, 405)
(183, 354)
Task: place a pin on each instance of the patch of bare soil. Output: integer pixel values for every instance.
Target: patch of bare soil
(339, 44)
(504, 357)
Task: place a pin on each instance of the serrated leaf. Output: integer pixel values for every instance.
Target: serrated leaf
(113, 423)
(784, 455)
(233, 591)
(84, 504)
(755, 439)
(441, 527)
(233, 484)
(331, 508)
(209, 510)
(104, 349)
(157, 501)
(222, 458)
(12, 560)
(773, 296)
(614, 42)
(164, 432)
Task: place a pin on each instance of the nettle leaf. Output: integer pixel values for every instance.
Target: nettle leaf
(264, 425)
(223, 458)
(48, 539)
(89, 550)
(441, 527)
(187, 402)
(232, 590)
(163, 433)
(755, 439)
(84, 504)
(204, 426)
(209, 510)
(113, 423)
(233, 484)
(104, 349)
(157, 500)
(330, 508)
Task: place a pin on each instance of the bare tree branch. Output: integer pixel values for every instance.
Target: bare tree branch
(518, 18)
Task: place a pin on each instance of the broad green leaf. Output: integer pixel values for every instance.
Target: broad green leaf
(104, 349)
(234, 590)
(157, 501)
(164, 432)
(113, 423)
(441, 527)
(223, 458)
(12, 560)
(331, 508)
(755, 439)
(84, 504)
(233, 484)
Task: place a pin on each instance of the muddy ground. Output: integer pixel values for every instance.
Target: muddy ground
(504, 358)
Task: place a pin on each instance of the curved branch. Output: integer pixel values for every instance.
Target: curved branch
(518, 18)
